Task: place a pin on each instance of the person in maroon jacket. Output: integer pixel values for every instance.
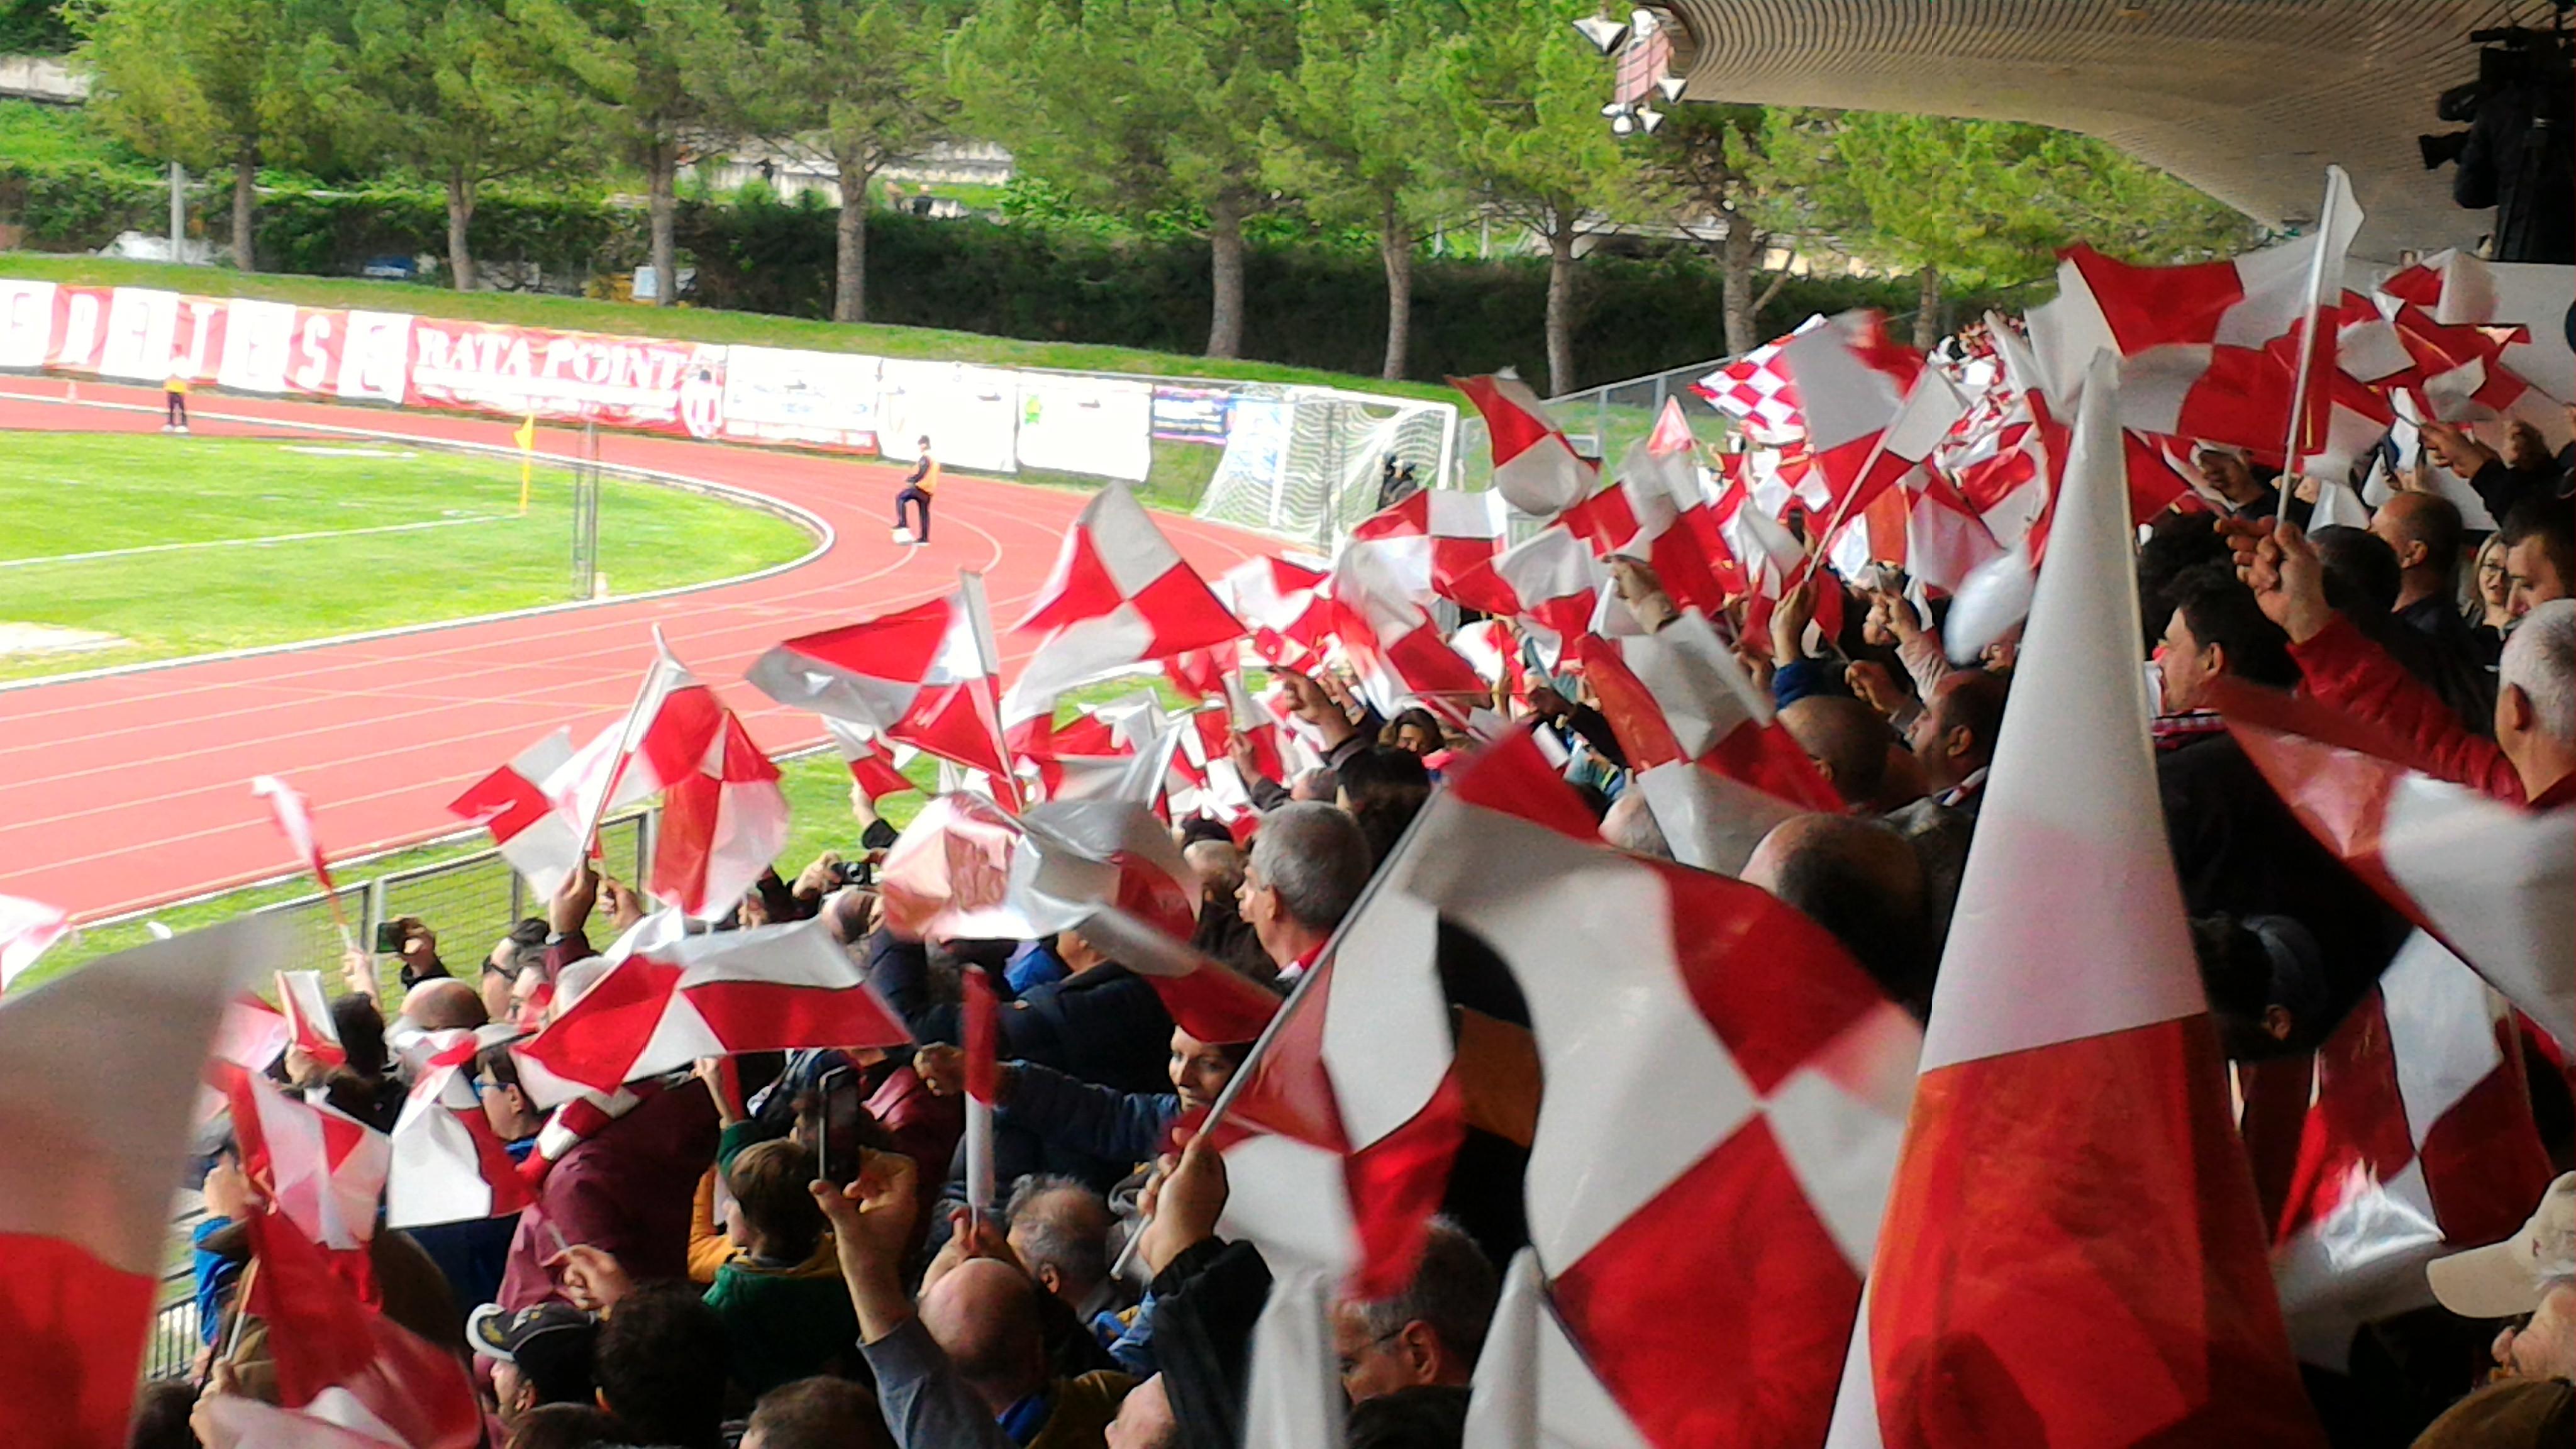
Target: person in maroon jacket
(627, 1191)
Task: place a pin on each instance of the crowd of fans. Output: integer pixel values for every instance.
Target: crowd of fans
(774, 1252)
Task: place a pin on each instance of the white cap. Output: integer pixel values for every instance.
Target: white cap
(2503, 1279)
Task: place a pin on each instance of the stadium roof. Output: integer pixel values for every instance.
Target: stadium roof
(2246, 99)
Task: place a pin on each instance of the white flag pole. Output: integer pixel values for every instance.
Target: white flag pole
(2325, 275)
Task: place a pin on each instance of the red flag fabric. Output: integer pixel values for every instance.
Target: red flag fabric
(96, 1121)
(27, 929)
(540, 841)
(1725, 1091)
(724, 817)
(295, 822)
(1119, 595)
(447, 1164)
(319, 1167)
(2495, 882)
(870, 769)
(1435, 537)
(2419, 1142)
(916, 677)
(344, 1362)
(668, 998)
(307, 1009)
(2072, 1251)
(1680, 693)
(1757, 390)
(1535, 468)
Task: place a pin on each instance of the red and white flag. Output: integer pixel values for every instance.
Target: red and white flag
(2072, 1252)
(341, 1361)
(870, 768)
(1535, 469)
(1433, 538)
(2419, 1141)
(1755, 390)
(1283, 602)
(2485, 341)
(668, 998)
(1388, 636)
(2493, 881)
(307, 1008)
(448, 1165)
(1655, 512)
(1119, 595)
(98, 1080)
(1679, 695)
(295, 822)
(27, 930)
(920, 677)
(318, 1166)
(724, 818)
(983, 1022)
(1725, 1092)
(1549, 583)
(2196, 343)
(540, 841)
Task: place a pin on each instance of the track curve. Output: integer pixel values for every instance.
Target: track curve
(125, 790)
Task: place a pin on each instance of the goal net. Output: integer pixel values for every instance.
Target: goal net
(1304, 463)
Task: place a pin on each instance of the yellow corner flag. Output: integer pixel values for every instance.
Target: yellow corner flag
(526, 436)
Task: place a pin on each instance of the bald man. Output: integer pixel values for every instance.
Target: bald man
(2424, 531)
(1852, 745)
(1858, 879)
(443, 1003)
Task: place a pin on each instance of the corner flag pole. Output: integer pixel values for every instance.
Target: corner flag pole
(527, 440)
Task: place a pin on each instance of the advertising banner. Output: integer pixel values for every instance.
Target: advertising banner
(1192, 414)
(625, 382)
(819, 399)
(970, 414)
(1098, 426)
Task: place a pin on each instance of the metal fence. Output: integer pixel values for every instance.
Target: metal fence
(469, 901)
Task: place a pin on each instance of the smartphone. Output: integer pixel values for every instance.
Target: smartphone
(823, 1086)
(389, 938)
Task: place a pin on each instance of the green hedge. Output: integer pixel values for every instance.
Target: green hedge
(1310, 305)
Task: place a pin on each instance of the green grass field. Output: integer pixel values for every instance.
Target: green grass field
(228, 544)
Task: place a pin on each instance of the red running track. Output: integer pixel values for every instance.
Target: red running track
(132, 789)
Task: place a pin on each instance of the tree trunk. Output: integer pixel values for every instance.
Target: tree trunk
(850, 254)
(1395, 247)
(1225, 256)
(1560, 303)
(460, 216)
(1927, 308)
(661, 180)
(245, 208)
(1739, 256)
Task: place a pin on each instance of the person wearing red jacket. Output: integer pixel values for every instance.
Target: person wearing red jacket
(2532, 758)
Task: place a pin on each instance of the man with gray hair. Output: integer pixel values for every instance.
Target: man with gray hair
(1427, 1335)
(1060, 1229)
(1309, 864)
(2535, 708)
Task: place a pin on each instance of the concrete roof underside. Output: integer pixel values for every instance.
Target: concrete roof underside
(2246, 99)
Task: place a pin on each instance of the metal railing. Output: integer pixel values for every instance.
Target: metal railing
(469, 901)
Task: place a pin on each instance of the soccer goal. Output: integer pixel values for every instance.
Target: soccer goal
(1304, 463)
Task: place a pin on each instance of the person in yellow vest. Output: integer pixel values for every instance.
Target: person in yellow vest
(174, 394)
(917, 488)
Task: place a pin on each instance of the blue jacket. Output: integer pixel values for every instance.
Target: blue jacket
(1106, 1025)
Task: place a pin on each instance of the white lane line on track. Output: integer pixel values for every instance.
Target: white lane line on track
(144, 548)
